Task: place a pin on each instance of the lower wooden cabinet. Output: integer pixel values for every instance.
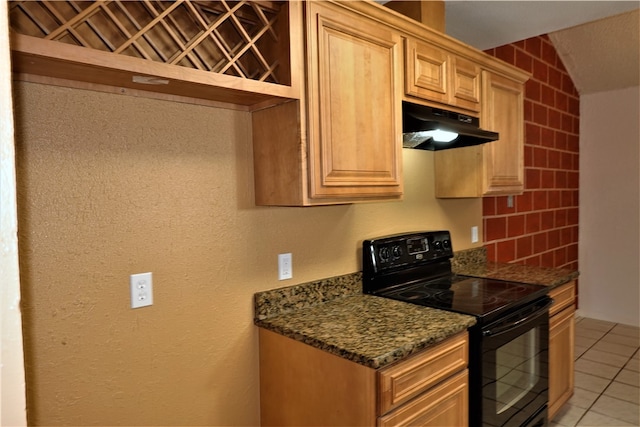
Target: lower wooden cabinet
(561, 347)
(302, 385)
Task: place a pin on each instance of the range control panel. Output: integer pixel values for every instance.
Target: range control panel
(405, 250)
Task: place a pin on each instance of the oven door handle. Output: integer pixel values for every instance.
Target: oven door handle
(505, 327)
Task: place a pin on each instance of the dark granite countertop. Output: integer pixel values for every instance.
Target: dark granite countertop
(369, 330)
(333, 315)
(473, 262)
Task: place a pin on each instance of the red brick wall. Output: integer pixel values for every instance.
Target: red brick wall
(541, 228)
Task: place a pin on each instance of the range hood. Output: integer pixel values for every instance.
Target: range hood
(427, 128)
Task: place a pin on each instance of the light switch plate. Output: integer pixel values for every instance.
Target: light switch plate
(285, 268)
(474, 234)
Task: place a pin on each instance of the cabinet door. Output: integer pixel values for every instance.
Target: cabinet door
(503, 112)
(561, 358)
(354, 103)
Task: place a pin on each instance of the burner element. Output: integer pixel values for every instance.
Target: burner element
(413, 295)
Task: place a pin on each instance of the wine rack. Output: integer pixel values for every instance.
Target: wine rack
(235, 38)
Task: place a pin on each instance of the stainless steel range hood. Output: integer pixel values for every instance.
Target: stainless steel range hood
(428, 128)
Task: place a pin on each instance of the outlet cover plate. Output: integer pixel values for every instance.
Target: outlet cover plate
(141, 290)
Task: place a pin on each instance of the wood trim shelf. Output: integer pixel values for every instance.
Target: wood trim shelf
(161, 69)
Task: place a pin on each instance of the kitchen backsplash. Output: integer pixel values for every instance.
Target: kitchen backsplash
(541, 228)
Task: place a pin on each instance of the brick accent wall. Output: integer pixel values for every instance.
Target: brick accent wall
(541, 228)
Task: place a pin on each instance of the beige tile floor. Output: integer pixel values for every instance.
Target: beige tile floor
(607, 376)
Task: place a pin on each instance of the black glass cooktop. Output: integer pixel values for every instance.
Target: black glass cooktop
(468, 295)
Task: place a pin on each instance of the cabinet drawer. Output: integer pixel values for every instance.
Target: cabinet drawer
(445, 405)
(407, 379)
(563, 297)
(426, 71)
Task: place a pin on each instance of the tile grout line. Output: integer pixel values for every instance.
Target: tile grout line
(610, 380)
(583, 353)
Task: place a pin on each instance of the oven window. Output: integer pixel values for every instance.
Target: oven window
(518, 370)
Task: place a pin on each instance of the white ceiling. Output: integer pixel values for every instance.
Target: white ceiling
(597, 40)
(487, 24)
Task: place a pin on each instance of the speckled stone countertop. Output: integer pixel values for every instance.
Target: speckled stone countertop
(473, 262)
(333, 315)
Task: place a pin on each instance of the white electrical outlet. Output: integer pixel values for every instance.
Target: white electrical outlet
(141, 290)
(285, 267)
(474, 234)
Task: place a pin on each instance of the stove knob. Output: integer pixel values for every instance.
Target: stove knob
(446, 244)
(384, 254)
(437, 245)
(396, 251)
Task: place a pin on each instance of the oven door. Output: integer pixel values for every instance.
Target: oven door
(515, 357)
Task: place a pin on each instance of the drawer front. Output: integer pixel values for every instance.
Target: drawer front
(466, 84)
(426, 72)
(563, 297)
(405, 380)
(444, 405)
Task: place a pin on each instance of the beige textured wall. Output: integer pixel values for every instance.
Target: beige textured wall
(110, 185)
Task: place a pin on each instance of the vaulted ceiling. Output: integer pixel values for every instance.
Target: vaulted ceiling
(598, 41)
(603, 55)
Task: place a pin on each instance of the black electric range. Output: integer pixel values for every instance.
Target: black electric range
(512, 322)
(416, 268)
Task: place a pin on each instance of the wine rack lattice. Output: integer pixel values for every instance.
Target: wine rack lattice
(236, 38)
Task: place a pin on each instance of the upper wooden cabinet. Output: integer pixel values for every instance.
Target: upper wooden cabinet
(236, 52)
(324, 81)
(494, 168)
(342, 144)
(436, 75)
(503, 112)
